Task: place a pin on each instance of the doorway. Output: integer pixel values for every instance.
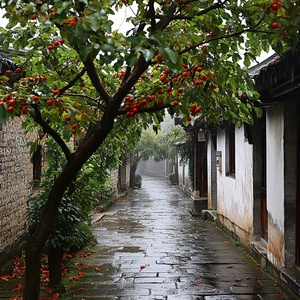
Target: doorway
(263, 197)
(297, 239)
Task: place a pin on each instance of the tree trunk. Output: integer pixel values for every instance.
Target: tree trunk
(134, 161)
(32, 276)
(95, 136)
(38, 240)
(55, 257)
(132, 175)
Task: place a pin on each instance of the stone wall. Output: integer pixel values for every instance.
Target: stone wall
(15, 189)
(154, 168)
(114, 176)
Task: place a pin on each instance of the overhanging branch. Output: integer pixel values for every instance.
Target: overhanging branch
(73, 81)
(94, 77)
(166, 20)
(47, 129)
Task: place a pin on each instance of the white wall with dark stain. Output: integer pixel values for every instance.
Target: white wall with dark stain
(275, 184)
(235, 194)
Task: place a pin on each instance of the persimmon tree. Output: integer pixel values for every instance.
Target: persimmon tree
(85, 79)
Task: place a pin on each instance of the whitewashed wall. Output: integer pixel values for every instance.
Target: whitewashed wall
(275, 185)
(184, 182)
(235, 195)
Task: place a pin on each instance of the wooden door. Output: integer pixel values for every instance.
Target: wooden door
(203, 184)
(264, 209)
(297, 240)
(200, 160)
(298, 218)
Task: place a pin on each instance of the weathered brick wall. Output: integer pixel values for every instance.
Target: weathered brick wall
(15, 190)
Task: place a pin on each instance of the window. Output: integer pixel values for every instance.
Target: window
(230, 150)
(37, 164)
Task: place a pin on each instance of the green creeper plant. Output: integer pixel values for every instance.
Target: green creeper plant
(85, 78)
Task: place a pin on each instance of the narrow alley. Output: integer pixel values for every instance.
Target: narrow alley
(151, 247)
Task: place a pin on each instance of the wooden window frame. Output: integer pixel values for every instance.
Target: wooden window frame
(230, 145)
(37, 165)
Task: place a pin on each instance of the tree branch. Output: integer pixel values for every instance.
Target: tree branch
(94, 77)
(73, 81)
(238, 33)
(165, 20)
(47, 129)
(82, 96)
(152, 15)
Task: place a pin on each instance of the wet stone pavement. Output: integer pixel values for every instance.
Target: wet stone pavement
(150, 247)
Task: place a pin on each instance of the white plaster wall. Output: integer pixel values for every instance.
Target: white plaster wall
(235, 195)
(275, 164)
(275, 184)
(180, 175)
(184, 182)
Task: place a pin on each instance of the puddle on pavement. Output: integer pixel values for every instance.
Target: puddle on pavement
(130, 249)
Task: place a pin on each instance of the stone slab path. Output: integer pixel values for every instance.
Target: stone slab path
(151, 248)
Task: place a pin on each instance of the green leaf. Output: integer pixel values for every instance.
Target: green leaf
(4, 116)
(94, 24)
(232, 82)
(148, 54)
(173, 55)
(258, 112)
(247, 60)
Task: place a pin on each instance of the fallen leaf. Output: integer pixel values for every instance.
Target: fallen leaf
(145, 266)
(55, 296)
(200, 282)
(18, 288)
(80, 273)
(229, 267)
(4, 278)
(97, 269)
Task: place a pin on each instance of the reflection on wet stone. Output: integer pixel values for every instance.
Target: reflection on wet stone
(150, 247)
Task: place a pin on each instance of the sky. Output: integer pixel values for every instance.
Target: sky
(3, 21)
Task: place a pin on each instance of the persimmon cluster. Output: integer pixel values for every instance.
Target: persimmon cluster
(170, 87)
